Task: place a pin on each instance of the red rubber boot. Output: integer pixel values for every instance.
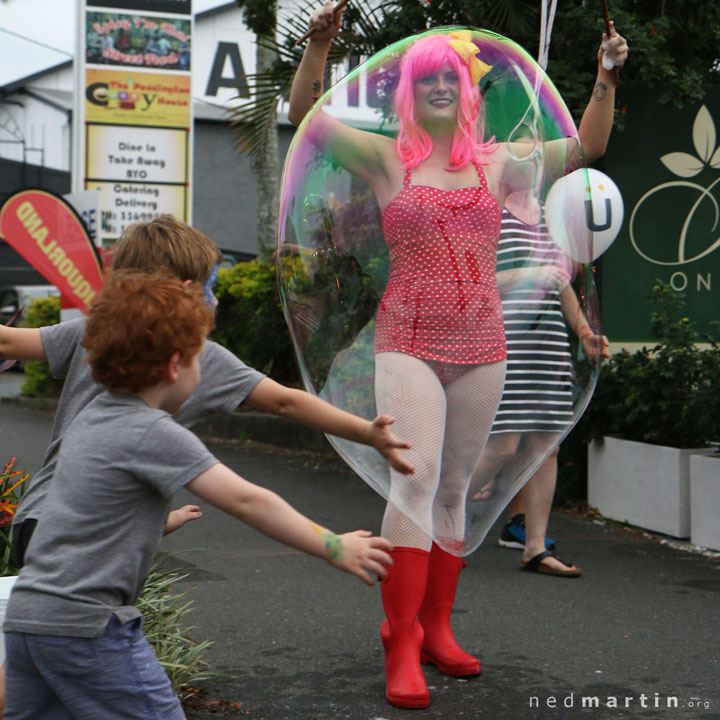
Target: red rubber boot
(439, 645)
(402, 594)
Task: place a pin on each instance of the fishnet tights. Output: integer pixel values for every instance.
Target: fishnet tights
(447, 427)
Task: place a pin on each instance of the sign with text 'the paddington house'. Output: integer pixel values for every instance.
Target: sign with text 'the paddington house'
(135, 109)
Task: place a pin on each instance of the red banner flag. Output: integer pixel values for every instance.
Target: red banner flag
(47, 232)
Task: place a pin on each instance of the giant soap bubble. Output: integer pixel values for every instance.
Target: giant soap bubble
(423, 289)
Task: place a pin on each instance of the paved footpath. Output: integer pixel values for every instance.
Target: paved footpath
(299, 640)
(295, 639)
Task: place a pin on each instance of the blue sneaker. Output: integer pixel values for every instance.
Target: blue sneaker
(513, 534)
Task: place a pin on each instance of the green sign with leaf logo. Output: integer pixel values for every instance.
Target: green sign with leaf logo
(667, 165)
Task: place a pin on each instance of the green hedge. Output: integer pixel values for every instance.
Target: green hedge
(250, 323)
(663, 395)
(38, 378)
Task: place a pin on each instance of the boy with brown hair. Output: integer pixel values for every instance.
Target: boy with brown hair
(225, 384)
(74, 640)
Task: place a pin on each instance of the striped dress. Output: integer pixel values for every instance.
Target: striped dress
(538, 393)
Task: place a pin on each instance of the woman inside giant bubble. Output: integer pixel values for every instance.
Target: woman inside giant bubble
(439, 337)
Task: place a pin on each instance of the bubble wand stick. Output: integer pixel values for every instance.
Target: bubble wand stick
(608, 30)
(312, 31)
(606, 18)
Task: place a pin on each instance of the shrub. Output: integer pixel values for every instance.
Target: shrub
(666, 394)
(38, 378)
(12, 486)
(164, 611)
(662, 395)
(338, 301)
(249, 320)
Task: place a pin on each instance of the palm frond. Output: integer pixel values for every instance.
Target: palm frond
(512, 18)
(251, 121)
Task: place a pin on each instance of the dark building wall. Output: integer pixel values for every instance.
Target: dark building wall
(15, 271)
(16, 176)
(224, 194)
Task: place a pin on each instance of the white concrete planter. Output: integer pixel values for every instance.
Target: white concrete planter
(641, 484)
(705, 501)
(6, 585)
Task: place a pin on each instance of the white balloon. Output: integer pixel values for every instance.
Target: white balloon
(584, 213)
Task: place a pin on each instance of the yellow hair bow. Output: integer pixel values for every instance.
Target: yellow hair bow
(463, 45)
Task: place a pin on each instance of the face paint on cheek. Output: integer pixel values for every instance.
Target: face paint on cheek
(210, 298)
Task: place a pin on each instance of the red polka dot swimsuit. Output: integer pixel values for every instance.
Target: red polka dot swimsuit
(441, 303)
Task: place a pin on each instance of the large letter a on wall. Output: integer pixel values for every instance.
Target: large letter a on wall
(227, 51)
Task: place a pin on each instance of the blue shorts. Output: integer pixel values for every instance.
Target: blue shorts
(68, 678)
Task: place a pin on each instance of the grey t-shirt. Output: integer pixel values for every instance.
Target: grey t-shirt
(225, 382)
(120, 463)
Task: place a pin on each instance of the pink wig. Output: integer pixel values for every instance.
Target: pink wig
(413, 143)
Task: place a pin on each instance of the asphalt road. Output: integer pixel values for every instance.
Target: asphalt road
(295, 639)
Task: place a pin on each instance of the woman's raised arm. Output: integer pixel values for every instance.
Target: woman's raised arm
(307, 85)
(359, 152)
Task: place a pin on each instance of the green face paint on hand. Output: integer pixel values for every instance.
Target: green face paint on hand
(332, 542)
(333, 546)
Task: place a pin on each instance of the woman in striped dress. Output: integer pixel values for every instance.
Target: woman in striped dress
(538, 382)
(537, 401)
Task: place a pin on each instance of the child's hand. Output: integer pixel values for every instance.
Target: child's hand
(388, 444)
(360, 553)
(177, 518)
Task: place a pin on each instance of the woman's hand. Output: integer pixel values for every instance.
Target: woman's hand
(594, 345)
(325, 23)
(550, 277)
(613, 50)
(547, 277)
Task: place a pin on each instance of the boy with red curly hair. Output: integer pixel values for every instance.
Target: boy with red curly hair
(74, 640)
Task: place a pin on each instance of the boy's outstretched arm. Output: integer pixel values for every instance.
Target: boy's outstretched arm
(309, 410)
(21, 344)
(357, 553)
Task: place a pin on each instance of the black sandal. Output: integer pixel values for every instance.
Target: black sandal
(535, 565)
